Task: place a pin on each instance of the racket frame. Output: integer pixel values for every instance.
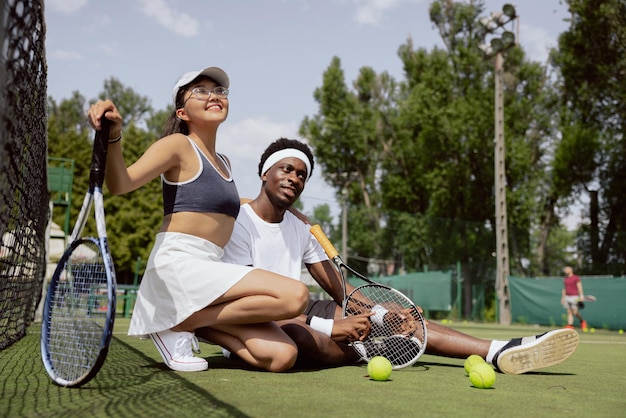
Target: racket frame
(93, 197)
(334, 255)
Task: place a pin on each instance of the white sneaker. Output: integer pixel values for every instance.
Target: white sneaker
(177, 349)
(521, 355)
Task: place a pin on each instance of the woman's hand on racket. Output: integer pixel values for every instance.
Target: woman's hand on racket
(352, 328)
(105, 108)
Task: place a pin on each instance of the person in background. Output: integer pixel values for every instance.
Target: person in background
(269, 236)
(571, 294)
(186, 285)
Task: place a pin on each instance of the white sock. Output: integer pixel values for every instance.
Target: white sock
(493, 349)
(225, 352)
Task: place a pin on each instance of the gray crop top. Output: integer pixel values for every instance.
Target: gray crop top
(207, 191)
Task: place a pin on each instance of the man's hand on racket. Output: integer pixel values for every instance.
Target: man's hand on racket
(400, 320)
(352, 328)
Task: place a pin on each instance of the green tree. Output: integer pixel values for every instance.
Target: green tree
(592, 60)
(68, 137)
(321, 215)
(419, 152)
(133, 107)
(345, 137)
(155, 123)
(132, 219)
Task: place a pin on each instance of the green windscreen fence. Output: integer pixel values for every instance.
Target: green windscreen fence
(538, 301)
(430, 290)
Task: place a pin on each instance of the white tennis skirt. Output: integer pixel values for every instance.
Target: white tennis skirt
(184, 275)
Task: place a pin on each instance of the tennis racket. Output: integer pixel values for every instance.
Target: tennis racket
(587, 298)
(80, 305)
(398, 330)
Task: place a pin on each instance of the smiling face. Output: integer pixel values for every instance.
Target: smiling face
(284, 181)
(203, 102)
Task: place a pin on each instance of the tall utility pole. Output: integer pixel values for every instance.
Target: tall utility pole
(344, 223)
(343, 179)
(494, 24)
(502, 234)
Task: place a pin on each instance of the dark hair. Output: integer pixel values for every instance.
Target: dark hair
(285, 143)
(174, 125)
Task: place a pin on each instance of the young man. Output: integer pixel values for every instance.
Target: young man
(267, 235)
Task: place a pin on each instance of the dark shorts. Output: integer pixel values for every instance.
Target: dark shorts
(321, 308)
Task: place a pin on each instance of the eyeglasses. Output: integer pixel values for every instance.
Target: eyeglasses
(204, 93)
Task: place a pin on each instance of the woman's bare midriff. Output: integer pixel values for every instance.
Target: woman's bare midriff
(214, 227)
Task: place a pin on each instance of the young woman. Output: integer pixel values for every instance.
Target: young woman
(186, 286)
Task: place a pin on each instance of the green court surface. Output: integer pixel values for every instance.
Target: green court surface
(134, 383)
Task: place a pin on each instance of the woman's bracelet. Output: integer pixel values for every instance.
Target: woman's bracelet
(118, 139)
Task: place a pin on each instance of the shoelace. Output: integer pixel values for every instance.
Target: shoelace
(186, 345)
(195, 345)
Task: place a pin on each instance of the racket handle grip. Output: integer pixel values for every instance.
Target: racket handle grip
(321, 237)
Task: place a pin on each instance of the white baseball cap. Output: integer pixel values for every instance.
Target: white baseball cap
(216, 74)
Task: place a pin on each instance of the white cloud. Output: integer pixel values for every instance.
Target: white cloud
(174, 20)
(66, 6)
(370, 12)
(244, 142)
(537, 42)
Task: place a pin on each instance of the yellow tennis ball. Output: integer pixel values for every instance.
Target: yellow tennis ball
(620, 332)
(592, 330)
(482, 376)
(379, 368)
(471, 361)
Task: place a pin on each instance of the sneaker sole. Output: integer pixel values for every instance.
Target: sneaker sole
(199, 366)
(551, 349)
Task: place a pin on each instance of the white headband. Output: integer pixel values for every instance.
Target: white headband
(287, 153)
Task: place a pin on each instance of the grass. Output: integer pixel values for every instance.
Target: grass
(134, 383)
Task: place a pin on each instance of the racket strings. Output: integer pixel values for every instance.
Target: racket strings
(399, 335)
(401, 351)
(78, 312)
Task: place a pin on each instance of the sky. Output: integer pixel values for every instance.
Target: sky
(274, 51)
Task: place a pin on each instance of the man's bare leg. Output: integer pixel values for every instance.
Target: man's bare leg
(515, 356)
(316, 348)
(448, 342)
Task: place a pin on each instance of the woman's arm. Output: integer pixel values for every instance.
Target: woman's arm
(162, 156)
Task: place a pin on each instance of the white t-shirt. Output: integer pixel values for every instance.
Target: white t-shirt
(279, 247)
